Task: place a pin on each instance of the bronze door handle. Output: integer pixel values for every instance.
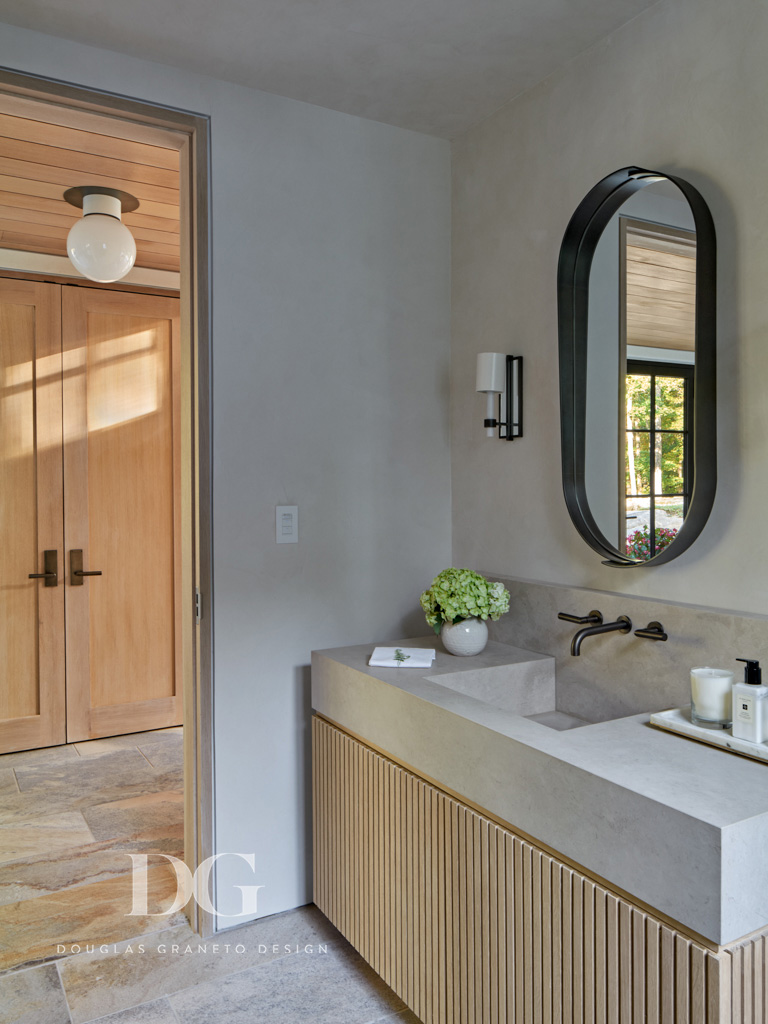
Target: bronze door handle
(76, 571)
(50, 567)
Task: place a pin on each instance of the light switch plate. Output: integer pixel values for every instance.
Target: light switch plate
(287, 524)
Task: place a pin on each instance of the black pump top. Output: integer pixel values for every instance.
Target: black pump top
(752, 673)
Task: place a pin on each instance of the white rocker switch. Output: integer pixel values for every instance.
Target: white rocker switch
(287, 524)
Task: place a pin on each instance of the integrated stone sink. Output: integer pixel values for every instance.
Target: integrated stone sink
(522, 682)
(527, 688)
(501, 678)
(677, 824)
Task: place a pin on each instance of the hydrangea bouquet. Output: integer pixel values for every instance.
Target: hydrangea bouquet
(458, 594)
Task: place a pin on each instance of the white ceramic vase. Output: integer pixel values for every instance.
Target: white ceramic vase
(465, 638)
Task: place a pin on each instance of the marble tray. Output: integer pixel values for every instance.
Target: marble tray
(679, 720)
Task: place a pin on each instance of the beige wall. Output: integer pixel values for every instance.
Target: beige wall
(683, 88)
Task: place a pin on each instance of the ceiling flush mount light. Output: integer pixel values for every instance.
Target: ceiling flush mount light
(502, 375)
(99, 245)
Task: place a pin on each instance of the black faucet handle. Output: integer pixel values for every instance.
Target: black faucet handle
(653, 631)
(593, 617)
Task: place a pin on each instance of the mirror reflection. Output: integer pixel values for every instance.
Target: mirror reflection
(640, 371)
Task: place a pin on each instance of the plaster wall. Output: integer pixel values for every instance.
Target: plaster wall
(330, 386)
(681, 89)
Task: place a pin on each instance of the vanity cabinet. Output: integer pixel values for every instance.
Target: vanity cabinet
(471, 922)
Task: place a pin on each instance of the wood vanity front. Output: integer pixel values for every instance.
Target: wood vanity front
(472, 921)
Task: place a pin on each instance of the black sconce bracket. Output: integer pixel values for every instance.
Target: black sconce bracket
(511, 426)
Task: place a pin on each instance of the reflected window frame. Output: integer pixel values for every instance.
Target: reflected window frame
(654, 370)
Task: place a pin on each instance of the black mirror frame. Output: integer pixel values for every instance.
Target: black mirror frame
(576, 254)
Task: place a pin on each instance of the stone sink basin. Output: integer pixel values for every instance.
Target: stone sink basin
(502, 678)
(506, 678)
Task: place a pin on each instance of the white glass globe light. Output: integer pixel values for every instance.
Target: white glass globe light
(99, 245)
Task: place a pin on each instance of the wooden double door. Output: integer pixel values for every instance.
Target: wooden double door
(90, 567)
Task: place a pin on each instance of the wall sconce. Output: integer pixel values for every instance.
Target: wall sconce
(502, 375)
(99, 245)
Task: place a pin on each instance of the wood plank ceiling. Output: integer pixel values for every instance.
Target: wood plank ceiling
(660, 287)
(39, 160)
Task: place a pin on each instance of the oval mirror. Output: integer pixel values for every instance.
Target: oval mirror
(636, 325)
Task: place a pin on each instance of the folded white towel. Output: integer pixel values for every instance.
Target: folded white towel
(408, 657)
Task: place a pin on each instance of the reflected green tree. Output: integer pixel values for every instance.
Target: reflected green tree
(669, 414)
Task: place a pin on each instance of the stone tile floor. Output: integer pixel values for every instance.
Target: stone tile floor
(69, 815)
(293, 968)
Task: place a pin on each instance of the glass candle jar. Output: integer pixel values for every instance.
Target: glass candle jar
(711, 697)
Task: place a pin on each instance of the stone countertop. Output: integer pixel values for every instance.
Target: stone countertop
(681, 826)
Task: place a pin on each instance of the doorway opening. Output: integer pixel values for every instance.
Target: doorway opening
(33, 231)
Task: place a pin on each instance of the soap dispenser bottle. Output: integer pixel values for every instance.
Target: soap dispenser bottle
(750, 707)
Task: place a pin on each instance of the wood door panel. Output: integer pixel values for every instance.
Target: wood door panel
(18, 479)
(122, 510)
(130, 507)
(31, 615)
(156, 713)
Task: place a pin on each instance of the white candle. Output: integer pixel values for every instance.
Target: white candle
(711, 694)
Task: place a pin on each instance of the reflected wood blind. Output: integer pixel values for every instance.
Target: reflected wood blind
(659, 283)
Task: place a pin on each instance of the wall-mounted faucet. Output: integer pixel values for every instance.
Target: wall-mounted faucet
(621, 625)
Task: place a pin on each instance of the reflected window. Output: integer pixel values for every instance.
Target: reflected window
(658, 469)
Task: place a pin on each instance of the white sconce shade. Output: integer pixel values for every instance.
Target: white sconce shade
(491, 372)
(99, 245)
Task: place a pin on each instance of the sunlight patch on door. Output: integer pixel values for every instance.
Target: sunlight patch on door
(125, 379)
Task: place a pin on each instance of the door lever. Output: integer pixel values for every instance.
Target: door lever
(50, 567)
(76, 571)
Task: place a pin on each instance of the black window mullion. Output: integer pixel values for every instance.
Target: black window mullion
(687, 454)
(652, 466)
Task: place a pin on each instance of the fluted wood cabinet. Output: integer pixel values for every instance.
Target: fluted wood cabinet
(471, 923)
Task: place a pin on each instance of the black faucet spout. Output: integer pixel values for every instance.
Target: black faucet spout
(621, 625)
